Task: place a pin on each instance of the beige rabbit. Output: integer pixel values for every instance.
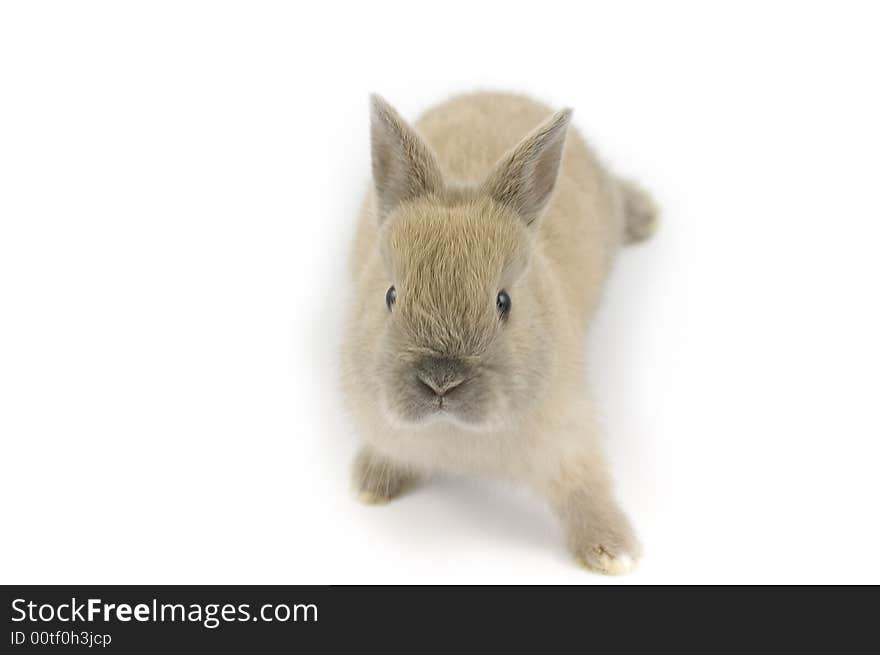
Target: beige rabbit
(478, 261)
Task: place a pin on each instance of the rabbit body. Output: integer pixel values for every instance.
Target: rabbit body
(489, 194)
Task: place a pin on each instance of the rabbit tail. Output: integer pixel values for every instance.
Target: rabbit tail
(640, 212)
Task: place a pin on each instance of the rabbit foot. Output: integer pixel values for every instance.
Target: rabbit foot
(599, 533)
(369, 498)
(378, 480)
(600, 559)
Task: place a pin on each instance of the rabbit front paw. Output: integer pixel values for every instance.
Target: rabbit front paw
(602, 559)
(601, 537)
(377, 480)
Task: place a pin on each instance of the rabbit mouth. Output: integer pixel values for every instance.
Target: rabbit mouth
(434, 388)
(442, 406)
(462, 401)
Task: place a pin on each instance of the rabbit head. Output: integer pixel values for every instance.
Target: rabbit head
(463, 335)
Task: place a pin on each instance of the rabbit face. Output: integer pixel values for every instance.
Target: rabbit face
(461, 339)
(455, 344)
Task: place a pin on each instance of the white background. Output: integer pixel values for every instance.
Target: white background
(178, 186)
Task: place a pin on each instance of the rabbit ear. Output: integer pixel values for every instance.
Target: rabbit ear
(404, 166)
(524, 177)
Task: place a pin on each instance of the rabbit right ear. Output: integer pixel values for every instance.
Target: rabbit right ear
(404, 166)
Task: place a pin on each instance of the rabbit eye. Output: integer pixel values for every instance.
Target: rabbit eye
(390, 296)
(503, 304)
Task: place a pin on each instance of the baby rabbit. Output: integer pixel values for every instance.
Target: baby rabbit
(478, 261)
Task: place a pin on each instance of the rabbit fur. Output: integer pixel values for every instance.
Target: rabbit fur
(487, 192)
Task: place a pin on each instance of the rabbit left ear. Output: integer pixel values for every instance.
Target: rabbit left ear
(525, 177)
(404, 166)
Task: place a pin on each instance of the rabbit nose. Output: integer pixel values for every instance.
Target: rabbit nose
(440, 389)
(441, 375)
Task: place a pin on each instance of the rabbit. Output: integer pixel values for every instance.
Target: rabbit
(478, 260)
